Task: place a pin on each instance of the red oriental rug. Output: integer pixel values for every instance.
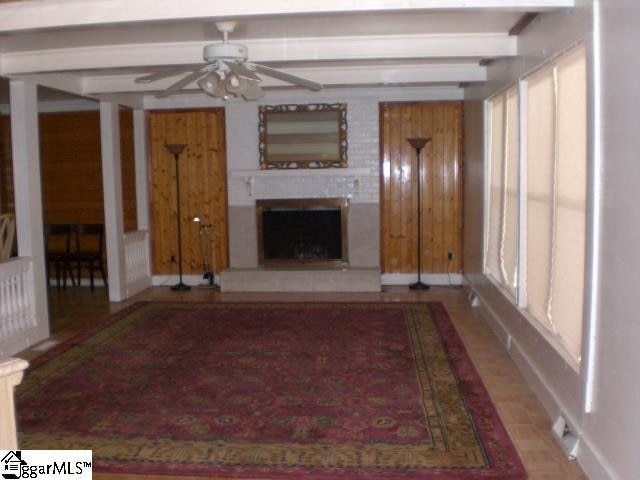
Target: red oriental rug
(378, 391)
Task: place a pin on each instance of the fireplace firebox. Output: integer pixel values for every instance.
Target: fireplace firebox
(296, 232)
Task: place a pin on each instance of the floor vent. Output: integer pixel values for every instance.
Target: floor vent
(474, 301)
(567, 438)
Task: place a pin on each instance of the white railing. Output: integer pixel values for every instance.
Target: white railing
(137, 264)
(10, 375)
(17, 310)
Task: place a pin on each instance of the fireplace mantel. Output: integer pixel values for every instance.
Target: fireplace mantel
(301, 172)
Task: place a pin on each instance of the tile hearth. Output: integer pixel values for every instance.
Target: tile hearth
(351, 279)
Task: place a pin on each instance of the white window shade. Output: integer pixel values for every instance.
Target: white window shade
(501, 252)
(494, 197)
(556, 119)
(567, 276)
(540, 180)
(509, 244)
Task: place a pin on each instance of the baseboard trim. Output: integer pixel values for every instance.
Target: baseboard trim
(494, 321)
(428, 278)
(138, 286)
(191, 280)
(593, 463)
(385, 279)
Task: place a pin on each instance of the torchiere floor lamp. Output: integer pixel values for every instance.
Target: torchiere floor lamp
(418, 143)
(176, 150)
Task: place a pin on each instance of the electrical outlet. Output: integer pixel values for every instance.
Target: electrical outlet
(173, 259)
(450, 255)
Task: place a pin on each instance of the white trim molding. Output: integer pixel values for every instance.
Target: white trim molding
(191, 280)
(428, 278)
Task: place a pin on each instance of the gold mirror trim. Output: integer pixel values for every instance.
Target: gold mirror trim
(308, 159)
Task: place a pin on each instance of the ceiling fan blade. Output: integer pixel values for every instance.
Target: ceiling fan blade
(177, 86)
(152, 77)
(287, 77)
(241, 70)
(254, 91)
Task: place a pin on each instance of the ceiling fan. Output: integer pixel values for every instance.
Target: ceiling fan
(226, 72)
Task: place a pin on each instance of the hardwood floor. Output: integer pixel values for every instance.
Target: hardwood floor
(525, 419)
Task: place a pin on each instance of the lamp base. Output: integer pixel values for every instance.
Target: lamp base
(419, 286)
(180, 287)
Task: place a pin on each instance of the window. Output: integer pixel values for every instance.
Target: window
(501, 239)
(549, 221)
(556, 170)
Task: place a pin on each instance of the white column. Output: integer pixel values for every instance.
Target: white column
(25, 142)
(142, 174)
(112, 188)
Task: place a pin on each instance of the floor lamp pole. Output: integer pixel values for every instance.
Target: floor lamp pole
(419, 143)
(176, 150)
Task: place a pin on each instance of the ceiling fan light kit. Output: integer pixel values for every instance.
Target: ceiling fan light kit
(225, 51)
(226, 72)
(212, 85)
(235, 84)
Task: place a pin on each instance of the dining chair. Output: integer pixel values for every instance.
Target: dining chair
(88, 250)
(57, 241)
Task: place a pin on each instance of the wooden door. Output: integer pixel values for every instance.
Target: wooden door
(203, 188)
(441, 187)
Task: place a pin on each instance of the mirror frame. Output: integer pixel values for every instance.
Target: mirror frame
(340, 162)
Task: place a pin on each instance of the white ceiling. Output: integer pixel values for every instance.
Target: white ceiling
(99, 47)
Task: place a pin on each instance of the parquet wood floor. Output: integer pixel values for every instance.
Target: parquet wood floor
(525, 419)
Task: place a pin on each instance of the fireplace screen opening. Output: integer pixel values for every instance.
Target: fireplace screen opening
(301, 231)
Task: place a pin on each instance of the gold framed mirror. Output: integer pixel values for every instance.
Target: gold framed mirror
(303, 136)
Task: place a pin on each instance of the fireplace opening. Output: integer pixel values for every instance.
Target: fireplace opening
(302, 231)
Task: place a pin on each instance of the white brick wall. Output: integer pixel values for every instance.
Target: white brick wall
(243, 154)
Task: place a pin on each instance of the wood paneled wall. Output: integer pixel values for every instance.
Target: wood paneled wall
(128, 169)
(203, 188)
(441, 187)
(71, 167)
(6, 167)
